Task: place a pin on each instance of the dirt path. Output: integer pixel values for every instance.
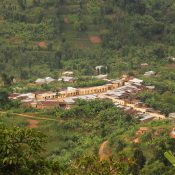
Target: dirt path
(104, 151)
(30, 116)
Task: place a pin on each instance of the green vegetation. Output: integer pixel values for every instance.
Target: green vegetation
(74, 140)
(40, 38)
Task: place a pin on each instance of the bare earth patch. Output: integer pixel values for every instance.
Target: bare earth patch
(42, 44)
(33, 124)
(104, 151)
(66, 20)
(95, 39)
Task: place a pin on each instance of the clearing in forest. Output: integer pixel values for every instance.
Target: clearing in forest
(95, 39)
(33, 124)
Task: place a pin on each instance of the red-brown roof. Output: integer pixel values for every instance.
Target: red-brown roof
(49, 103)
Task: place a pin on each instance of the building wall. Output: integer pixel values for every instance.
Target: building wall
(45, 96)
(120, 101)
(89, 90)
(156, 115)
(41, 106)
(140, 109)
(131, 105)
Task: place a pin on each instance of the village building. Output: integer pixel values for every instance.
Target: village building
(144, 64)
(69, 102)
(157, 115)
(149, 73)
(67, 79)
(172, 115)
(49, 80)
(49, 104)
(146, 118)
(86, 91)
(40, 81)
(46, 80)
(121, 92)
(70, 92)
(151, 88)
(172, 59)
(41, 95)
(13, 96)
(68, 73)
(17, 96)
(136, 81)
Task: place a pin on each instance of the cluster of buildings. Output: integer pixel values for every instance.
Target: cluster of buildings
(65, 98)
(122, 92)
(148, 73)
(66, 77)
(125, 97)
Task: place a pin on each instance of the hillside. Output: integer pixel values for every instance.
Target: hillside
(43, 37)
(116, 127)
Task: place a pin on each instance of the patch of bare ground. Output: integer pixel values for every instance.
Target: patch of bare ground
(42, 44)
(95, 39)
(33, 124)
(104, 151)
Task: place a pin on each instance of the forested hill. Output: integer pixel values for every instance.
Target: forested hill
(41, 37)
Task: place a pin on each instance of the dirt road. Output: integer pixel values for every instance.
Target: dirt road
(104, 151)
(29, 116)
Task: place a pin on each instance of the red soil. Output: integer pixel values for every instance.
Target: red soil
(33, 124)
(42, 44)
(95, 39)
(104, 151)
(66, 20)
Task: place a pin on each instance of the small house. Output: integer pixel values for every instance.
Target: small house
(46, 80)
(149, 73)
(68, 73)
(136, 81)
(49, 104)
(40, 81)
(67, 79)
(144, 64)
(172, 59)
(49, 80)
(172, 115)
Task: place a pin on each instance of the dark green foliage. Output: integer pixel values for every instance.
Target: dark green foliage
(139, 159)
(20, 149)
(66, 28)
(163, 102)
